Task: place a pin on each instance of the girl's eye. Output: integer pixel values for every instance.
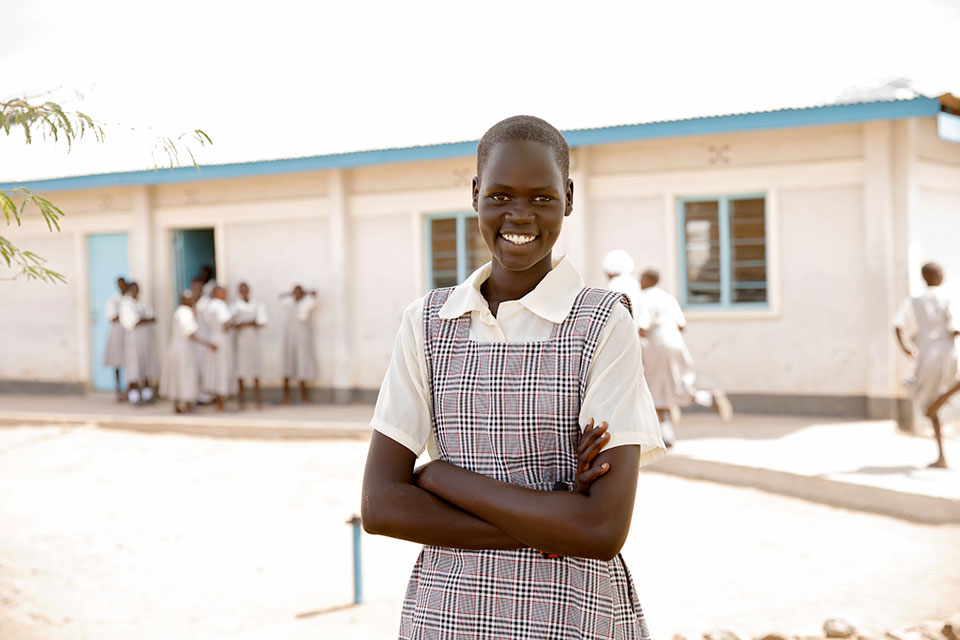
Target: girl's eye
(542, 199)
(500, 197)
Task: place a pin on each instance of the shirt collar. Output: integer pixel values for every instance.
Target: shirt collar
(552, 299)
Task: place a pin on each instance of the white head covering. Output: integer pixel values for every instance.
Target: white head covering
(618, 262)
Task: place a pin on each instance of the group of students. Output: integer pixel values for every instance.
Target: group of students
(214, 345)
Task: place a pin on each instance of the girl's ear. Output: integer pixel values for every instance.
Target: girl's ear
(476, 193)
(569, 196)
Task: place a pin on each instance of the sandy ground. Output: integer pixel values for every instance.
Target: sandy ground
(114, 535)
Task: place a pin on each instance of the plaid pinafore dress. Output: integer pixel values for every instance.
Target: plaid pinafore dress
(511, 412)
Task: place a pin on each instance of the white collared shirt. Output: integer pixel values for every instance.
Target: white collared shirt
(130, 312)
(185, 321)
(626, 284)
(113, 307)
(251, 310)
(616, 391)
(938, 305)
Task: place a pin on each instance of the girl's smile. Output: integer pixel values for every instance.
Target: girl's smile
(518, 238)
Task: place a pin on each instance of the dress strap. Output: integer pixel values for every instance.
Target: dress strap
(432, 327)
(585, 322)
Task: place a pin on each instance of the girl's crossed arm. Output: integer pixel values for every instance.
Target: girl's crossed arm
(566, 523)
(394, 504)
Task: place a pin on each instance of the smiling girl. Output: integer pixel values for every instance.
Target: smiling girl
(501, 380)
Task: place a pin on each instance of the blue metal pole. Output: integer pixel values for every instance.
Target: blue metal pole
(357, 561)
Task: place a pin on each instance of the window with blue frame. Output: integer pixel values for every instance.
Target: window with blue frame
(454, 248)
(723, 252)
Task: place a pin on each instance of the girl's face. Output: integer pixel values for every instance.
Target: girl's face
(521, 199)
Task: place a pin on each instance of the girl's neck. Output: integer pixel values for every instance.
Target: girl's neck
(504, 285)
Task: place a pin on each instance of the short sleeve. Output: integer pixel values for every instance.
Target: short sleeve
(187, 322)
(678, 312)
(221, 313)
(403, 406)
(129, 315)
(617, 393)
(305, 306)
(905, 320)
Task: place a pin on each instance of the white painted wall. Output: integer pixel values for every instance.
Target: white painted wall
(936, 236)
(385, 280)
(39, 337)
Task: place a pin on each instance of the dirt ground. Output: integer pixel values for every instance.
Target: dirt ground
(115, 535)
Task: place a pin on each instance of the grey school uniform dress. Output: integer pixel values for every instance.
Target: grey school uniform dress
(667, 363)
(218, 377)
(247, 359)
(179, 380)
(113, 353)
(146, 334)
(927, 322)
(299, 358)
(511, 412)
(135, 365)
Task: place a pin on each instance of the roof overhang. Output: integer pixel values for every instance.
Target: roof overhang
(755, 121)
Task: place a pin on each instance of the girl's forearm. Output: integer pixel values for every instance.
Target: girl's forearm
(404, 511)
(566, 523)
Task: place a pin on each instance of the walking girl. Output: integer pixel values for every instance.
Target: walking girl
(501, 379)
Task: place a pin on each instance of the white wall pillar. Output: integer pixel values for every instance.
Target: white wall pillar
(84, 316)
(339, 303)
(575, 241)
(883, 215)
(141, 244)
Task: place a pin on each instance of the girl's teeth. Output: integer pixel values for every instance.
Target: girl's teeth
(518, 239)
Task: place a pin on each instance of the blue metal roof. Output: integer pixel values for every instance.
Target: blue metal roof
(755, 121)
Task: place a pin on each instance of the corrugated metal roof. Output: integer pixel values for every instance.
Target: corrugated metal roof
(835, 113)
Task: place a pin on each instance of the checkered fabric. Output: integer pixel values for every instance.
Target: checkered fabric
(510, 411)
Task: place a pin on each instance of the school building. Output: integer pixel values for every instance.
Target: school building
(790, 238)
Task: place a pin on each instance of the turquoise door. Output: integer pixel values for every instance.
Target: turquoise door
(106, 261)
(192, 250)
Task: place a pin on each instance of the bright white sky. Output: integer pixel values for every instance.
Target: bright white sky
(288, 78)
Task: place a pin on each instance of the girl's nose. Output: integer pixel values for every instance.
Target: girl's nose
(520, 212)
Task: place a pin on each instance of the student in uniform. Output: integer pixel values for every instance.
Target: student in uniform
(496, 378)
(249, 316)
(179, 382)
(218, 376)
(927, 324)
(299, 359)
(667, 361)
(207, 280)
(113, 353)
(618, 266)
(132, 316)
(200, 301)
(150, 362)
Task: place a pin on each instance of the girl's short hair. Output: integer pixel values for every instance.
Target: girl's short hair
(525, 128)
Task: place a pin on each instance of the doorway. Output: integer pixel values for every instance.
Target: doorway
(193, 249)
(106, 261)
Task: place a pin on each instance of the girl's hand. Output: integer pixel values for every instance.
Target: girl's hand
(591, 442)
